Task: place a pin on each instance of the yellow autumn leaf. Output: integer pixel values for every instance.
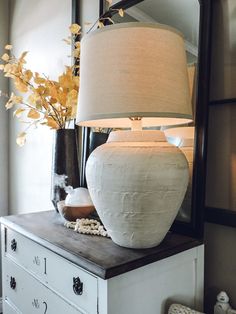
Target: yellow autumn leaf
(75, 28)
(65, 80)
(13, 100)
(33, 99)
(100, 24)
(72, 98)
(8, 47)
(20, 85)
(62, 96)
(71, 103)
(21, 139)
(65, 112)
(12, 70)
(52, 91)
(77, 44)
(33, 114)
(9, 104)
(76, 81)
(76, 53)
(9, 75)
(121, 12)
(5, 57)
(27, 75)
(52, 123)
(17, 113)
(46, 92)
(2, 66)
(53, 100)
(17, 99)
(8, 67)
(38, 79)
(23, 55)
(40, 90)
(39, 106)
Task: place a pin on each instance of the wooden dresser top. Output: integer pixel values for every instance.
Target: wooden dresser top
(96, 254)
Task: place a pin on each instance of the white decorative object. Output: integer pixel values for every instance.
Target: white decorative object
(78, 197)
(181, 309)
(134, 75)
(137, 184)
(222, 305)
(87, 226)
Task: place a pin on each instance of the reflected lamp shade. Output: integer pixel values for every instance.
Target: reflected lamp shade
(133, 70)
(137, 180)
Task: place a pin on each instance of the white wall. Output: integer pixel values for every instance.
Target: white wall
(3, 114)
(37, 27)
(89, 13)
(3, 119)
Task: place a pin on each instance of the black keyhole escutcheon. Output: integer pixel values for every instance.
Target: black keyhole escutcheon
(13, 245)
(13, 283)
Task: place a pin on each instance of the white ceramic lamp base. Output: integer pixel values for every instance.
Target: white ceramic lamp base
(137, 182)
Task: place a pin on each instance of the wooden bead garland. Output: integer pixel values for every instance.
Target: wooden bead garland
(87, 226)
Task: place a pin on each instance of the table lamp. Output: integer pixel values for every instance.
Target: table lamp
(134, 75)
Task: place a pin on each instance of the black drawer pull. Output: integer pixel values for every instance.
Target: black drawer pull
(13, 245)
(13, 283)
(77, 286)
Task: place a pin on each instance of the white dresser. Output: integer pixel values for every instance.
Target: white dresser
(48, 269)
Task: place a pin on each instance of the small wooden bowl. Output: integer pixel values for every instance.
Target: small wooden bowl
(71, 213)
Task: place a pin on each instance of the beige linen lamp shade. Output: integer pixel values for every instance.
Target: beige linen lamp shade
(133, 70)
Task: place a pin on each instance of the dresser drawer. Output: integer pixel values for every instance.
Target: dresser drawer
(56, 272)
(29, 295)
(25, 252)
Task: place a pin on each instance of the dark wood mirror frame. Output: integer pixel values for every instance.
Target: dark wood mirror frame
(195, 227)
(220, 213)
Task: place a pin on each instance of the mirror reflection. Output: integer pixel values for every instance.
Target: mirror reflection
(173, 13)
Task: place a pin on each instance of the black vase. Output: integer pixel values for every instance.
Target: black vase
(96, 139)
(64, 163)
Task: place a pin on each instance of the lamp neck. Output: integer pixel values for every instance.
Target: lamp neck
(136, 124)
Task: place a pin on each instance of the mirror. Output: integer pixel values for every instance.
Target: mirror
(172, 13)
(221, 162)
(183, 15)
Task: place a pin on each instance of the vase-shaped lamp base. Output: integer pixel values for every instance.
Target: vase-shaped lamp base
(137, 182)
